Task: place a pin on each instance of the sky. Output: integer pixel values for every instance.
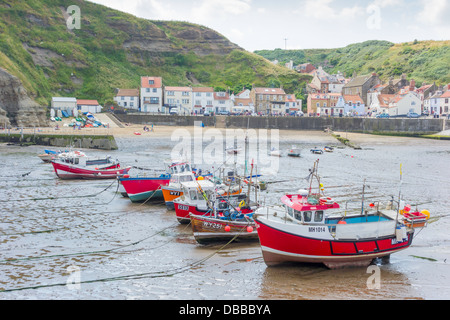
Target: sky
(302, 24)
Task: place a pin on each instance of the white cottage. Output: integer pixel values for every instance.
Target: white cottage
(128, 98)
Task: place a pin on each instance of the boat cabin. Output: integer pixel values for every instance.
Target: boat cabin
(85, 161)
(176, 167)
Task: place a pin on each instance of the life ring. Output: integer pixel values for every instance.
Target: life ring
(242, 203)
(326, 200)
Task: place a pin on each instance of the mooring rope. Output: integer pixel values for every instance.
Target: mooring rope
(65, 197)
(155, 274)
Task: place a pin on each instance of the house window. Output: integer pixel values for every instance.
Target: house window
(151, 82)
(185, 93)
(155, 90)
(170, 93)
(147, 89)
(208, 94)
(198, 94)
(132, 98)
(131, 104)
(185, 101)
(154, 100)
(324, 104)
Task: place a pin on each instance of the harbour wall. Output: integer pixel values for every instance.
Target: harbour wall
(396, 126)
(103, 142)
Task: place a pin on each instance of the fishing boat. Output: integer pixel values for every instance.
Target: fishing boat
(275, 153)
(180, 172)
(200, 196)
(294, 152)
(76, 165)
(48, 155)
(328, 149)
(144, 188)
(227, 222)
(233, 150)
(316, 151)
(236, 226)
(307, 227)
(147, 186)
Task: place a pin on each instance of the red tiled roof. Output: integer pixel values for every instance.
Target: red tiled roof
(145, 82)
(203, 89)
(128, 93)
(178, 88)
(446, 94)
(226, 97)
(353, 98)
(88, 102)
(269, 91)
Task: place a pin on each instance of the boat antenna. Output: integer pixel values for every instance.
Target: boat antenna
(399, 195)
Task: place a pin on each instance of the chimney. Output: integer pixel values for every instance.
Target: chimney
(412, 85)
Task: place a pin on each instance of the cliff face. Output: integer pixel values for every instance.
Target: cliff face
(16, 107)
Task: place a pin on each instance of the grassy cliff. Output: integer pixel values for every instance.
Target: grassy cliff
(112, 49)
(427, 61)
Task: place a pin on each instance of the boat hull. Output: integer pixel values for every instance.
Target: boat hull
(280, 246)
(68, 171)
(209, 229)
(183, 211)
(144, 189)
(169, 195)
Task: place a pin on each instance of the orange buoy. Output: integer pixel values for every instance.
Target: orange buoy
(342, 222)
(249, 229)
(227, 228)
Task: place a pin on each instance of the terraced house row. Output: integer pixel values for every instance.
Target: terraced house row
(154, 97)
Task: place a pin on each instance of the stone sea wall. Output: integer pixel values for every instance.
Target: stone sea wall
(361, 125)
(62, 141)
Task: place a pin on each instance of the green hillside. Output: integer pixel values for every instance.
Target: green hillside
(420, 60)
(113, 50)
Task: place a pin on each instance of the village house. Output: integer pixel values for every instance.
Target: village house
(91, 106)
(317, 103)
(397, 104)
(445, 103)
(178, 100)
(268, 100)
(128, 98)
(305, 68)
(151, 94)
(433, 105)
(242, 106)
(425, 91)
(292, 104)
(360, 85)
(222, 103)
(331, 107)
(202, 99)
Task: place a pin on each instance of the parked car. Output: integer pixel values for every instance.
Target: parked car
(412, 115)
(383, 115)
(224, 113)
(206, 114)
(173, 111)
